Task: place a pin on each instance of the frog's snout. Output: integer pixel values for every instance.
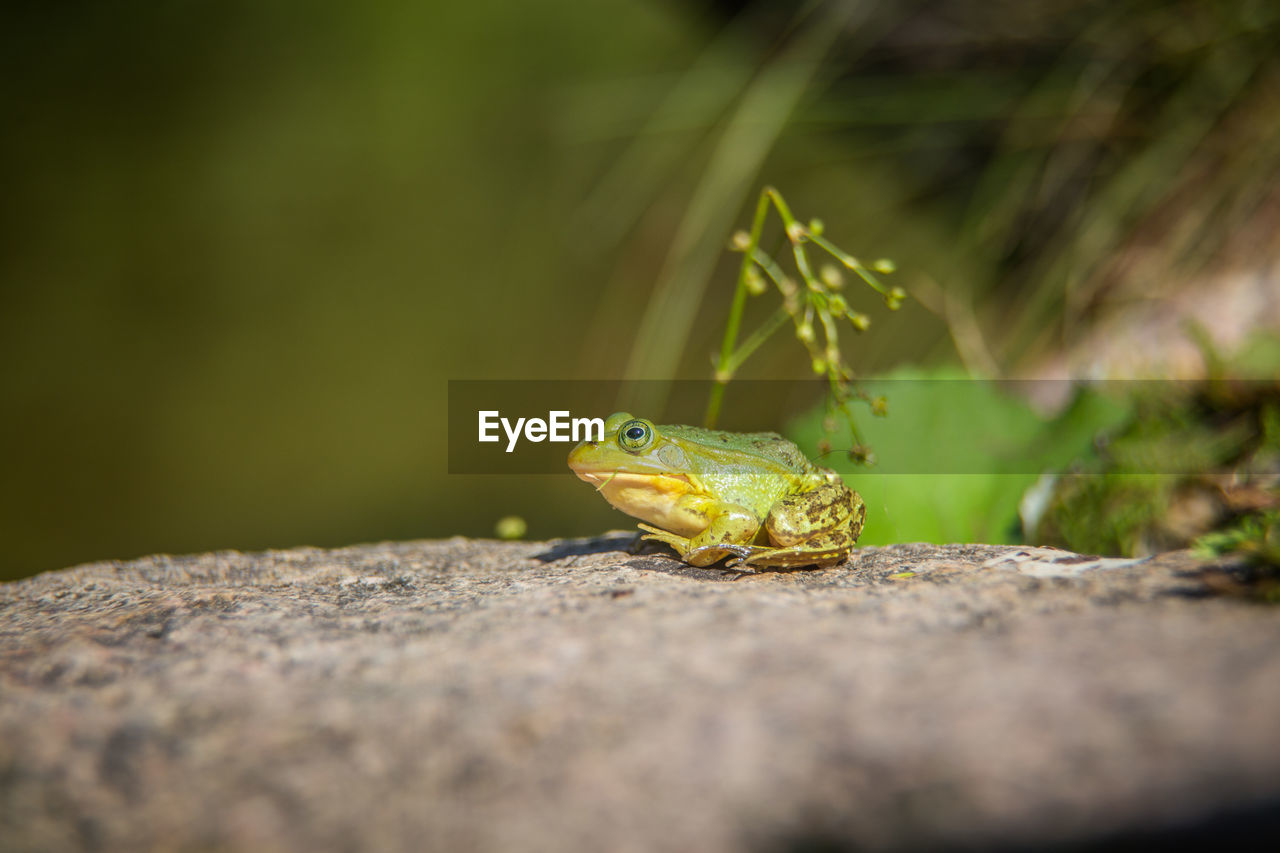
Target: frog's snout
(575, 455)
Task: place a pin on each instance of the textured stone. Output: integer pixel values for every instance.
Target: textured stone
(571, 696)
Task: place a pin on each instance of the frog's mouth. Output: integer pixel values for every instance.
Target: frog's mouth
(613, 480)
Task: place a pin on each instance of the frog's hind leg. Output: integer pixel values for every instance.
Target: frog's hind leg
(821, 550)
(815, 528)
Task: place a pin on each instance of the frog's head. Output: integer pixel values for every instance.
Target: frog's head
(637, 468)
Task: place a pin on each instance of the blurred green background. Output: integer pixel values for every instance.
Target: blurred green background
(244, 246)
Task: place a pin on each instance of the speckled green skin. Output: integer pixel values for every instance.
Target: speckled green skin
(711, 494)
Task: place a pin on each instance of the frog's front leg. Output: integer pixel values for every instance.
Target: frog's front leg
(730, 532)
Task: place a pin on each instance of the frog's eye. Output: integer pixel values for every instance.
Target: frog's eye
(635, 435)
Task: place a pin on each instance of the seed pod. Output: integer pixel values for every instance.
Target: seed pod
(831, 277)
(862, 454)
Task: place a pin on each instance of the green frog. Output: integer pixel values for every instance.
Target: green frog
(711, 494)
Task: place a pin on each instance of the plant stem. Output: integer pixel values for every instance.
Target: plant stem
(800, 302)
(851, 262)
(796, 233)
(758, 337)
(725, 366)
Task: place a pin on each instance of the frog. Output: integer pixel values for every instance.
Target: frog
(753, 498)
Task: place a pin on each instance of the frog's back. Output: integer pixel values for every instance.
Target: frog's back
(768, 446)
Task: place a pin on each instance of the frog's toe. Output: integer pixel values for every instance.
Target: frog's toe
(654, 534)
(665, 540)
(705, 555)
(679, 544)
(674, 546)
(741, 566)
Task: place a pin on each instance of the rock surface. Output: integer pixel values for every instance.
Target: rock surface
(464, 695)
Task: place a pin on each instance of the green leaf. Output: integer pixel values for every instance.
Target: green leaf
(956, 455)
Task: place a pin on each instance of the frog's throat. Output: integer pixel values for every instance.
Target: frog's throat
(652, 497)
